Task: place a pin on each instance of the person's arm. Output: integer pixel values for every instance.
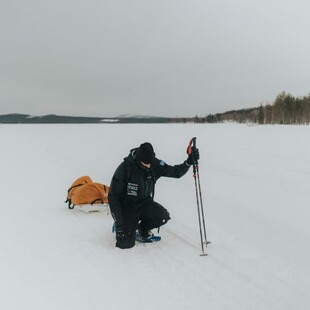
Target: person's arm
(162, 169)
(116, 195)
(176, 171)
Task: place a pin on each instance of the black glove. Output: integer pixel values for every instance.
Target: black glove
(121, 232)
(124, 239)
(193, 156)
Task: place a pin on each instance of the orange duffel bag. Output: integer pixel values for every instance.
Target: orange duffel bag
(85, 191)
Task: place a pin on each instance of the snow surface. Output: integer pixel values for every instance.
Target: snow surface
(255, 186)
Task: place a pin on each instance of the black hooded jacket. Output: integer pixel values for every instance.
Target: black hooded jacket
(133, 184)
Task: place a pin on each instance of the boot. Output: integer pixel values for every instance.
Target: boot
(144, 234)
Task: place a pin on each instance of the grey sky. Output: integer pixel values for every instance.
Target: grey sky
(150, 57)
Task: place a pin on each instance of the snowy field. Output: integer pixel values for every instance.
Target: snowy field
(256, 192)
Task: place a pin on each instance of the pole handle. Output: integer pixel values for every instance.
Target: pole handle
(192, 144)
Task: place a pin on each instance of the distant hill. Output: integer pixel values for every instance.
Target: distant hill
(60, 119)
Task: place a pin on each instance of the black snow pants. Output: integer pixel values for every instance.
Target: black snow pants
(148, 216)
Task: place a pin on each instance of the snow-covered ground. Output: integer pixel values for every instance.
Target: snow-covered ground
(256, 189)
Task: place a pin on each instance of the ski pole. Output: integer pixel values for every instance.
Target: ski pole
(201, 220)
(200, 197)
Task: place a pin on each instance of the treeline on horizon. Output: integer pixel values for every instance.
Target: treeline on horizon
(286, 109)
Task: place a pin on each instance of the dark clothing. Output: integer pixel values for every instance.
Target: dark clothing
(132, 190)
(151, 214)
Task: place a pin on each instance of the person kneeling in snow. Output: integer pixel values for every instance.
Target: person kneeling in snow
(131, 196)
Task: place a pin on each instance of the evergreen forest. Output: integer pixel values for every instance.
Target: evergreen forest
(286, 109)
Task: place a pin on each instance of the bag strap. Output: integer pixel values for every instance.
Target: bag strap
(72, 187)
(70, 205)
(96, 200)
(104, 188)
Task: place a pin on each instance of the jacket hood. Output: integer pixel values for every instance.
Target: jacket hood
(133, 160)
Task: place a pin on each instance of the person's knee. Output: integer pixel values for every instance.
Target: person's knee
(163, 219)
(166, 217)
(154, 217)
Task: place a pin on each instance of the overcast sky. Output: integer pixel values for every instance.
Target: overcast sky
(150, 57)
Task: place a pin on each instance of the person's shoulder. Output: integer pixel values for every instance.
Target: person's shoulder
(121, 167)
(128, 165)
(159, 163)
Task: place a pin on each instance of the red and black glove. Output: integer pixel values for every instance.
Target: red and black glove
(193, 155)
